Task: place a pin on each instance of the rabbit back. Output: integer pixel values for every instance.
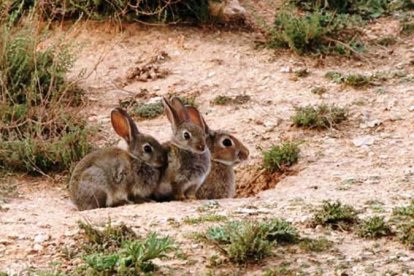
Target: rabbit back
(220, 183)
(101, 179)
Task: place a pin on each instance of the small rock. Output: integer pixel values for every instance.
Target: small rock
(285, 69)
(411, 108)
(371, 124)
(364, 141)
(37, 247)
(39, 238)
(154, 100)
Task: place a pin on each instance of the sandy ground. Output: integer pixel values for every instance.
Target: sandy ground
(41, 220)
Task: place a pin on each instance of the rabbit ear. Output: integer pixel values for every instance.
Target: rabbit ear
(123, 125)
(171, 114)
(196, 118)
(179, 107)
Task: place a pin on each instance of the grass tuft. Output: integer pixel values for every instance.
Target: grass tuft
(374, 227)
(406, 234)
(118, 250)
(278, 158)
(407, 211)
(319, 117)
(205, 218)
(133, 257)
(245, 241)
(335, 215)
(281, 231)
(315, 31)
(315, 245)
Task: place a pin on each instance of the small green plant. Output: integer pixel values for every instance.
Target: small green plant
(353, 80)
(281, 231)
(277, 158)
(133, 257)
(244, 240)
(109, 238)
(319, 117)
(374, 227)
(315, 31)
(205, 218)
(407, 211)
(336, 215)
(248, 244)
(315, 245)
(241, 241)
(406, 234)
(222, 100)
(148, 111)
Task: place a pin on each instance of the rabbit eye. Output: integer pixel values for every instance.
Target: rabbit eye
(147, 149)
(227, 142)
(186, 135)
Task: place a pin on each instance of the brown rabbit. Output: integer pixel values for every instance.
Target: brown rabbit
(112, 177)
(226, 152)
(188, 154)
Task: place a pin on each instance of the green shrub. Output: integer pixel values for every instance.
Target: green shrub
(245, 241)
(133, 257)
(319, 117)
(406, 234)
(186, 11)
(41, 129)
(277, 158)
(281, 231)
(321, 32)
(374, 227)
(148, 111)
(205, 218)
(336, 215)
(407, 211)
(222, 100)
(315, 245)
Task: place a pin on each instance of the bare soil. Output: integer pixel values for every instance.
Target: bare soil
(211, 62)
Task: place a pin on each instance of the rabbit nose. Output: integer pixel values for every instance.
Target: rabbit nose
(201, 147)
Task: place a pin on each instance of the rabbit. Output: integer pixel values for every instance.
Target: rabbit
(226, 152)
(113, 176)
(187, 153)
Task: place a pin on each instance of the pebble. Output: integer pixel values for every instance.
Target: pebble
(37, 247)
(370, 124)
(285, 69)
(411, 108)
(363, 141)
(42, 237)
(154, 100)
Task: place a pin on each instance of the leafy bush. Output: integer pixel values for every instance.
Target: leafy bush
(281, 231)
(124, 10)
(251, 241)
(336, 215)
(315, 245)
(407, 211)
(406, 234)
(374, 227)
(321, 32)
(41, 130)
(277, 158)
(133, 257)
(319, 117)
